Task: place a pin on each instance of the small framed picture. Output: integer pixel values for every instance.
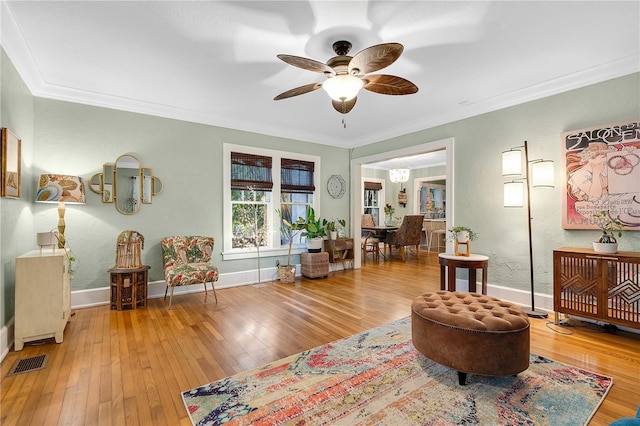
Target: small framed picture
(11, 162)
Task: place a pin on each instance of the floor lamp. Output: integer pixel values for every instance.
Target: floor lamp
(542, 176)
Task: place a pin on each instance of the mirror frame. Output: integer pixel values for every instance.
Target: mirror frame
(105, 184)
(96, 187)
(147, 185)
(118, 197)
(108, 178)
(157, 183)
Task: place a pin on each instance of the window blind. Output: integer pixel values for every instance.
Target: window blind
(251, 171)
(372, 185)
(296, 176)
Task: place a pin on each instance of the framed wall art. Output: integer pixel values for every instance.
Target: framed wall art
(11, 161)
(602, 173)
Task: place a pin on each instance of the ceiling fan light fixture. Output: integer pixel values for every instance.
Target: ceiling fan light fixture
(343, 87)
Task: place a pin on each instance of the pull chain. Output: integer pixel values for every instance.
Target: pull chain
(344, 114)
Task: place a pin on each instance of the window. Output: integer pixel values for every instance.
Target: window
(257, 182)
(371, 202)
(296, 191)
(251, 187)
(373, 198)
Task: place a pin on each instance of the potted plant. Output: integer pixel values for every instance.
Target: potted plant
(287, 273)
(313, 231)
(388, 212)
(461, 234)
(331, 227)
(610, 227)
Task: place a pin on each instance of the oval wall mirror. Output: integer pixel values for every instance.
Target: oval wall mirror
(128, 185)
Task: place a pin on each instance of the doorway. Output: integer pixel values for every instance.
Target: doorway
(357, 182)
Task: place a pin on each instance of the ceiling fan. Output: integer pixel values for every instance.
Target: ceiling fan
(346, 75)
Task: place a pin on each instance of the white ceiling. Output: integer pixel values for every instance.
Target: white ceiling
(214, 62)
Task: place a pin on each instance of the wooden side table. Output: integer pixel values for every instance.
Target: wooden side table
(340, 250)
(471, 262)
(129, 287)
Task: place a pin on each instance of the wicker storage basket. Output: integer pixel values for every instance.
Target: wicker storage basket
(128, 248)
(287, 273)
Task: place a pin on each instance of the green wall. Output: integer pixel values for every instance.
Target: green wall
(16, 224)
(479, 142)
(78, 139)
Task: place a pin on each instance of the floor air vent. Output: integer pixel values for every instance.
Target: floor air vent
(26, 365)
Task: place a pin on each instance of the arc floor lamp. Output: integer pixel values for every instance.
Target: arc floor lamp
(542, 176)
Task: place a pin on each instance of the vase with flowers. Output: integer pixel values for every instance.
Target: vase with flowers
(611, 227)
(388, 214)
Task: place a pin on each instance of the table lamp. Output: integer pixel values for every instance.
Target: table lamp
(60, 189)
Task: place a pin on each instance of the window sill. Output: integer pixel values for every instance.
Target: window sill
(253, 254)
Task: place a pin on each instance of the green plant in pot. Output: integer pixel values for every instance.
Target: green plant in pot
(461, 234)
(611, 227)
(313, 231)
(331, 227)
(289, 230)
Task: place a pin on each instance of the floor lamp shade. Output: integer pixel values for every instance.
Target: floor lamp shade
(512, 163)
(542, 174)
(513, 194)
(60, 189)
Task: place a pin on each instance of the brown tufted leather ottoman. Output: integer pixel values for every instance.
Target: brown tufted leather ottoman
(471, 332)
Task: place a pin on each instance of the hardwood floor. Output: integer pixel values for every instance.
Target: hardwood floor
(129, 367)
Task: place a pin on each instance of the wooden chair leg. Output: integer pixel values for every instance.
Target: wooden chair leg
(165, 292)
(214, 291)
(417, 250)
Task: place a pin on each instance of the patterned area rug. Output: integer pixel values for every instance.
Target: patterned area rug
(378, 378)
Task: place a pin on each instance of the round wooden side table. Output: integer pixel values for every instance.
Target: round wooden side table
(472, 262)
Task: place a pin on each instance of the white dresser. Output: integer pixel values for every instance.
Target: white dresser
(43, 296)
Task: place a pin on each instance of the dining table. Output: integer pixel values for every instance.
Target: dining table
(380, 232)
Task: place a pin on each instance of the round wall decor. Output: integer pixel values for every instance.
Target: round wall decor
(336, 186)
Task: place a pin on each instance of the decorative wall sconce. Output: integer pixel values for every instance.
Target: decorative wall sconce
(542, 175)
(400, 176)
(126, 183)
(60, 189)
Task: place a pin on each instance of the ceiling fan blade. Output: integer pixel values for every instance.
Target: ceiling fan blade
(389, 85)
(375, 58)
(344, 107)
(298, 91)
(307, 64)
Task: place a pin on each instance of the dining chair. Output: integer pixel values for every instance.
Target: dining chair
(408, 234)
(370, 241)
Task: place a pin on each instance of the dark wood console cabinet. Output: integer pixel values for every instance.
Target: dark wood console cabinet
(602, 287)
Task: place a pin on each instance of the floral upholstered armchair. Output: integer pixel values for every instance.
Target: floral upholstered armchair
(408, 234)
(186, 261)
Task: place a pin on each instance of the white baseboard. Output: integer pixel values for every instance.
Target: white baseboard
(6, 339)
(156, 289)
